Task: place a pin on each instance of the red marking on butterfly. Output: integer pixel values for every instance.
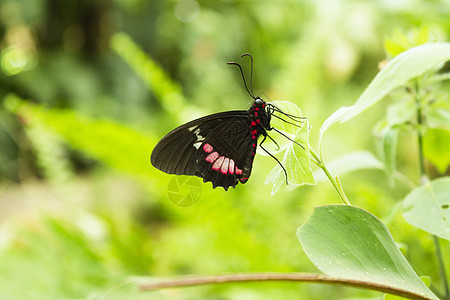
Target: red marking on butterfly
(207, 148)
(225, 165)
(218, 163)
(212, 157)
(231, 167)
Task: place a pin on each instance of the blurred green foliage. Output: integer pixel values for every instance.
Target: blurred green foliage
(88, 88)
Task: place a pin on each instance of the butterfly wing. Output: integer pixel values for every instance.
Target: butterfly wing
(215, 148)
(225, 156)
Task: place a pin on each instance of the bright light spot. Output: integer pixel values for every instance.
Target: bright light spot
(187, 10)
(15, 60)
(341, 60)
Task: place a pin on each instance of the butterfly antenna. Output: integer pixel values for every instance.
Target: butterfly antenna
(243, 78)
(251, 72)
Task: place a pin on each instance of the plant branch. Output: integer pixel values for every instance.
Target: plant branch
(334, 180)
(424, 179)
(420, 124)
(284, 277)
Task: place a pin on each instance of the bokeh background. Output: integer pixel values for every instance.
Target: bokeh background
(88, 87)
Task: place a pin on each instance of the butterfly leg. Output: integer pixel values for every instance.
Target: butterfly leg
(278, 146)
(260, 144)
(273, 128)
(286, 121)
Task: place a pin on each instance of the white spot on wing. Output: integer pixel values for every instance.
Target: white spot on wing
(199, 137)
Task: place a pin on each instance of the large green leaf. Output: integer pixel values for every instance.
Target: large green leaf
(428, 207)
(350, 243)
(400, 70)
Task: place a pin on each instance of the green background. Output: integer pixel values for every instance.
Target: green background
(87, 89)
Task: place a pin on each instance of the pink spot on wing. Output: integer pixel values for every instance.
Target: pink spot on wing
(208, 148)
(257, 121)
(256, 114)
(231, 167)
(253, 123)
(224, 168)
(212, 157)
(218, 163)
(238, 171)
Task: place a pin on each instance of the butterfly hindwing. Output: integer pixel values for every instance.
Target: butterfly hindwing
(181, 151)
(223, 157)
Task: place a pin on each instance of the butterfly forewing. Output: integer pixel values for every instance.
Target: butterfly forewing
(219, 148)
(182, 151)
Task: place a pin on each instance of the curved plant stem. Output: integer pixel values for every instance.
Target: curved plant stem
(285, 277)
(334, 180)
(424, 179)
(442, 271)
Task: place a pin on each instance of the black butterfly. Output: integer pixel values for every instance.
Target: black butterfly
(219, 148)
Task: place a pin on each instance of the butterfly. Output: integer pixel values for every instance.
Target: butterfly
(220, 148)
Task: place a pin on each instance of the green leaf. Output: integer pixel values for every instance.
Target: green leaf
(439, 118)
(401, 41)
(401, 112)
(348, 242)
(393, 48)
(389, 152)
(436, 148)
(399, 71)
(428, 207)
(296, 161)
(354, 161)
(109, 142)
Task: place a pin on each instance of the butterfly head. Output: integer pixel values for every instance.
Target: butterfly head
(260, 113)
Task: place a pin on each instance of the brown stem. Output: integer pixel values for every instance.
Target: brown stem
(286, 277)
